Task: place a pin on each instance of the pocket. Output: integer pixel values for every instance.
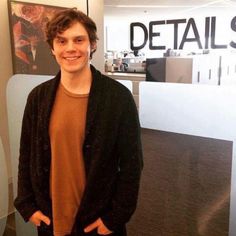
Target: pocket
(44, 230)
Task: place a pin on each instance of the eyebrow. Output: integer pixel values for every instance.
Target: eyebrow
(59, 37)
(78, 36)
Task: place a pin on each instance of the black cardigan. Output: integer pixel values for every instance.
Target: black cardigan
(112, 153)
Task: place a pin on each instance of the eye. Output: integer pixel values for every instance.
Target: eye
(78, 40)
(60, 41)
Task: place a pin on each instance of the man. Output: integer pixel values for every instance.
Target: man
(80, 152)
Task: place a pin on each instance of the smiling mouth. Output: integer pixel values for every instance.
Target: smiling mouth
(71, 58)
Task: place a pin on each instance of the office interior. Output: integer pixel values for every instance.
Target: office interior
(185, 98)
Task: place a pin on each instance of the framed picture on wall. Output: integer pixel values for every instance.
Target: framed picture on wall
(30, 51)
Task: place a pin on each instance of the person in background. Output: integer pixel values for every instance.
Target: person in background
(80, 150)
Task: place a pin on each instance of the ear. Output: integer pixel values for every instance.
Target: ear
(93, 47)
(52, 52)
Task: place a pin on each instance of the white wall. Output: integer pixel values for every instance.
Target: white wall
(96, 12)
(5, 73)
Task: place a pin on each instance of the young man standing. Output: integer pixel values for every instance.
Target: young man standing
(80, 152)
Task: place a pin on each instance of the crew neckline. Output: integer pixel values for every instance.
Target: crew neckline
(67, 92)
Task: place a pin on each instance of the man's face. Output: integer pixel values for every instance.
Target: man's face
(72, 49)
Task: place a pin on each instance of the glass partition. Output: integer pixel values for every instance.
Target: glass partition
(201, 111)
(18, 89)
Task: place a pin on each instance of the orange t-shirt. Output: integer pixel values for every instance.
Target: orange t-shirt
(67, 177)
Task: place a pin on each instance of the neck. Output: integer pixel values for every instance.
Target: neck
(79, 83)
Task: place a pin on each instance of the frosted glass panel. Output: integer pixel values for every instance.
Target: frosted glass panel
(201, 110)
(190, 109)
(18, 89)
(3, 190)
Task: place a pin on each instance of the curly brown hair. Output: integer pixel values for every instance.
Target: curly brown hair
(62, 20)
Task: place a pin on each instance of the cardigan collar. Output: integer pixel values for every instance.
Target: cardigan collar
(96, 91)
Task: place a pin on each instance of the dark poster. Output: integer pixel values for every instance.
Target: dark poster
(30, 52)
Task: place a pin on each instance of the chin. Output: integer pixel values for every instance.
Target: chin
(74, 70)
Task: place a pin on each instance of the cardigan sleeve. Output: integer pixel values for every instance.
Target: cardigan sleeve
(25, 201)
(131, 163)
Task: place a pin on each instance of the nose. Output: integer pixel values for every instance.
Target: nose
(70, 46)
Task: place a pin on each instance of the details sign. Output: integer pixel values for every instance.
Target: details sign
(206, 42)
